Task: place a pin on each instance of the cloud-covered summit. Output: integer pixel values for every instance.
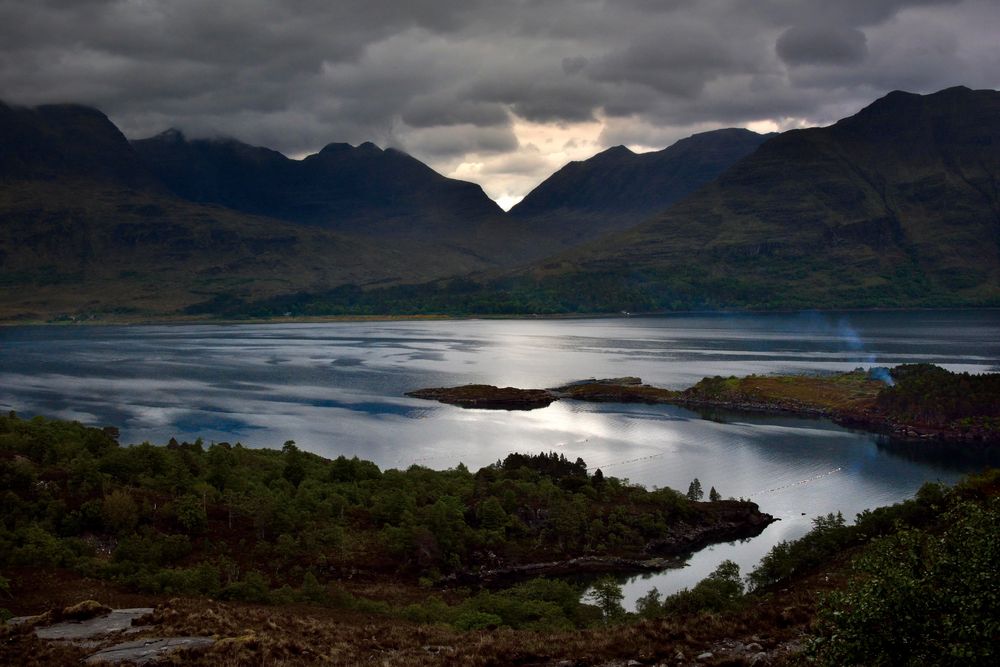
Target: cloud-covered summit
(501, 92)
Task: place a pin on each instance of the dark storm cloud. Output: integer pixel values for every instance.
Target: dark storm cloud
(679, 61)
(808, 45)
(297, 74)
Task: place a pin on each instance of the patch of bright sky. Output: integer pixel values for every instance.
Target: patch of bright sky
(544, 148)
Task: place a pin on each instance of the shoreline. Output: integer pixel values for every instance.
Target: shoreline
(181, 320)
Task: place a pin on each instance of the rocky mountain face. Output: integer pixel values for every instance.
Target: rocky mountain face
(897, 205)
(618, 189)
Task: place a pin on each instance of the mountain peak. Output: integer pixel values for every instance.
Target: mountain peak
(620, 149)
(335, 147)
(172, 135)
(343, 147)
(67, 141)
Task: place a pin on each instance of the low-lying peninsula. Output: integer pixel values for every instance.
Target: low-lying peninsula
(242, 522)
(915, 401)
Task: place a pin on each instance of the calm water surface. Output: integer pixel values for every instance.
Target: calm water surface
(338, 389)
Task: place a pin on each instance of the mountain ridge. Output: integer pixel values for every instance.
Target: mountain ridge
(618, 188)
(356, 189)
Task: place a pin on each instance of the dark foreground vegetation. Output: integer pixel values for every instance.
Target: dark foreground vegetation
(345, 556)
(259, 524)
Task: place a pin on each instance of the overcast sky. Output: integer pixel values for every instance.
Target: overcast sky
(500, 92)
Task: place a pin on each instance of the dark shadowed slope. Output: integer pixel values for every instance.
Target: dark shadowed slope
(52, 142)
(363, 189)
(85, 228)
(618, 189)
(895, 206)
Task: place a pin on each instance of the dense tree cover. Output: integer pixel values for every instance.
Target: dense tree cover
(923, 397)
(635, 290)
(924, 589)
(930, 395)
(237, 522)
(922, 597)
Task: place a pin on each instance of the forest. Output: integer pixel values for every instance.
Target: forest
(929, 394)
(916, 581)
(264, 524)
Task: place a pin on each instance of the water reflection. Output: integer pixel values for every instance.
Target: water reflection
(338, 389)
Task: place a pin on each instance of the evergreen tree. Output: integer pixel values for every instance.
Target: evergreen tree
(694, 490)
(713, 495)
(295, 470)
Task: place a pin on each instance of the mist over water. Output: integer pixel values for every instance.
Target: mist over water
(338, 389)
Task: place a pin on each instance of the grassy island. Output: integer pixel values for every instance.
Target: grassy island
(916, 401)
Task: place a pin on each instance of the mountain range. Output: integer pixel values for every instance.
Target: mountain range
(898, 205)
(894, 206)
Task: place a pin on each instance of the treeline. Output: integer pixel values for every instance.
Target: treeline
(238, 522)
(933, 396)
(558, 292)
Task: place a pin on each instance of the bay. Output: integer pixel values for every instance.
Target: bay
(337, 388)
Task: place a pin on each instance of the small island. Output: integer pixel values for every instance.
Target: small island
(910, 401)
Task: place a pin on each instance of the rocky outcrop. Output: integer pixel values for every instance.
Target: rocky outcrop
(147, 651)
(488, 397)
(91, 625)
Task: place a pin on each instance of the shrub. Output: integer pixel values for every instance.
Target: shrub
(921, 598)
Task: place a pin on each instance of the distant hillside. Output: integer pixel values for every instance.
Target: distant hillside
(898, 205)
(618, 189)
(87, 229)
(360, 190)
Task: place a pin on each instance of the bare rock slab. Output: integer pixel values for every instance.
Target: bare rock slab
(146, 651)
(74, 631)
